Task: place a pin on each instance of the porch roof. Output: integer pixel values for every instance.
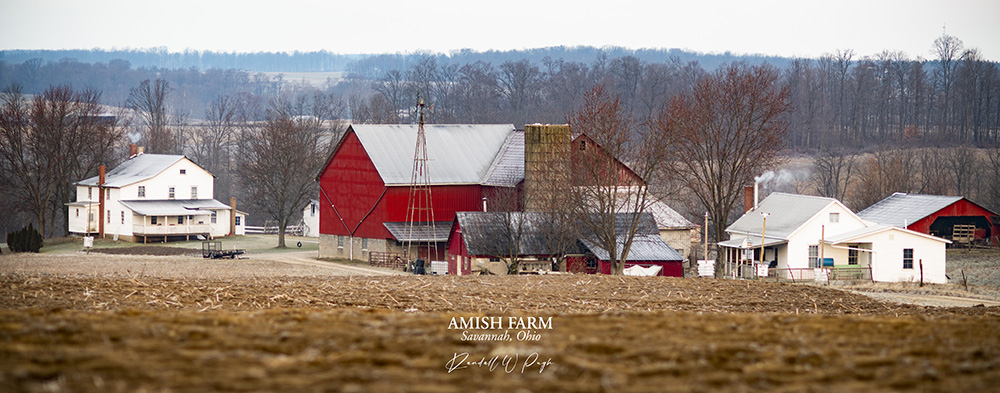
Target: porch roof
(752, 241)
(175, 207)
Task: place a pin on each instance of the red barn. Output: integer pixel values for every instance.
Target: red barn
(364, 188)
(950, 217)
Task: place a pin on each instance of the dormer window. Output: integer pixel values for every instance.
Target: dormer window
(183, 171)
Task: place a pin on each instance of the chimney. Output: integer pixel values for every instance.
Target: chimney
(748, 198)
(756, 193)
(139, 150)
(546, 149)
(100, 203)
(232, 216)
(133, 150)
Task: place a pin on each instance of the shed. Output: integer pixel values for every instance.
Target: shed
(950, 217)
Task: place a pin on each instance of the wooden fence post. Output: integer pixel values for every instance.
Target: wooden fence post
(921, 272)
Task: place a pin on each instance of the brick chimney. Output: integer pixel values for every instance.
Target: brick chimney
(133, 150)
(748, 198)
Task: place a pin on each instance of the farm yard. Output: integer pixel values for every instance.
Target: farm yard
(122, 322)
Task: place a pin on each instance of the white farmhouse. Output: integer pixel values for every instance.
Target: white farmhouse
(154, 197)
(803, 233)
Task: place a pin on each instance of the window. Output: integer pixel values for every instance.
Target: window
(834, 217)
(852, 257)
(170, 193)
(194, 192)
(180, 219)
(313, 206)
(907, 258)
(591, 263)
(152, 220)
(814, 256)
(107, 194)
(583, 145)
(109, 216)
(78, 212)
(215, 217)
(90, 215)
(142, 191)
(184, 171)
(340, 241)
(123, 216)
(364, 243)
(238, 220)
(90, 193)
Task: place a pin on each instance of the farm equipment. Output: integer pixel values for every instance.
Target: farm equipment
(214, 250)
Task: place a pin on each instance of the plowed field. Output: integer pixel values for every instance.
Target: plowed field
(129, 332)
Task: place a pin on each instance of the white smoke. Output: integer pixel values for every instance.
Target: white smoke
(783, 180)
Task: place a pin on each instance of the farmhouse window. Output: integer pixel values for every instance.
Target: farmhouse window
(313, 206)
(194, 192)
(238, 220)
(183, 171)
(123, 216)
(907, 258)
(852, 257)
(152, 220)
(90, 193)
(109, 216)
(340, 241)
(107, 194)
(180, 219)
(170, 193)
(78, 212)
(813, 256)
(215, 217)
(834, 217)
(142, 191)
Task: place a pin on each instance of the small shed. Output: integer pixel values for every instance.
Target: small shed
(950, 217)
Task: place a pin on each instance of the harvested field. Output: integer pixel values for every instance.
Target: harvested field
(148, 250)
(125, 330)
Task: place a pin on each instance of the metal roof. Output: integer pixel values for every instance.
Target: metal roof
(752, 241)
(508, 167)
(787, 212)
(174, 207)
(138, 168)
(644, 248)
(667, 218)
(901, 209)
(457, 153)
(862, 232)
(421, 231)
(486, 233)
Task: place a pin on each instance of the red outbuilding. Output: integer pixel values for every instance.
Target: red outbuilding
(951, 217)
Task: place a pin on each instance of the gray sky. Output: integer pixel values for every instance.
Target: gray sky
(773, 27)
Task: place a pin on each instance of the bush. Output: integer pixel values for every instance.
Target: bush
(25, 240)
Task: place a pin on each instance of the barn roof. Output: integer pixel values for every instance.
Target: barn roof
(646, 245)
(901, 209)
(174, 207)
(667, 218)
(136, 169)
(486, 233)
(788, 212)
(457, 153)
(508, 167)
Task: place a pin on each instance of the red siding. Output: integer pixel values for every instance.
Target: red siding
(669, 268)
(963, 207)
(351, 183)
(456, 248)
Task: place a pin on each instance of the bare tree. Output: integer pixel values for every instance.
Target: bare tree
(149, 100)
(833, 171)
(728, 129)
(613, 160)
(47, 143)
(394, 87)
(212, 147)
(948, 50)
(886, 171)
(518, 82)
(277, 172)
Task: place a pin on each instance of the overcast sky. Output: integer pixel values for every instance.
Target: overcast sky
(776, 27)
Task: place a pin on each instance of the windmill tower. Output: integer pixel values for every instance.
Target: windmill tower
(420, 208)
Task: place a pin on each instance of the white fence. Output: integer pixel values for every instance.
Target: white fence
(295, 230)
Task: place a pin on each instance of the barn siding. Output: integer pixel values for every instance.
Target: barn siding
(352, 184)
(962, 207)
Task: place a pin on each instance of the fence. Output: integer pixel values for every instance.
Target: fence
(392, 260)
(295, 230)
(821, 274)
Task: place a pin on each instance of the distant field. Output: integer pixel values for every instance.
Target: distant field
(313, 78)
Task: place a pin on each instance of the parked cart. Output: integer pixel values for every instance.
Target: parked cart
(214, 250)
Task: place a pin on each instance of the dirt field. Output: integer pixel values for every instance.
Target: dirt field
(109, 325)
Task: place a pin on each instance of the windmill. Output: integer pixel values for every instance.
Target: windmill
(420, 207)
